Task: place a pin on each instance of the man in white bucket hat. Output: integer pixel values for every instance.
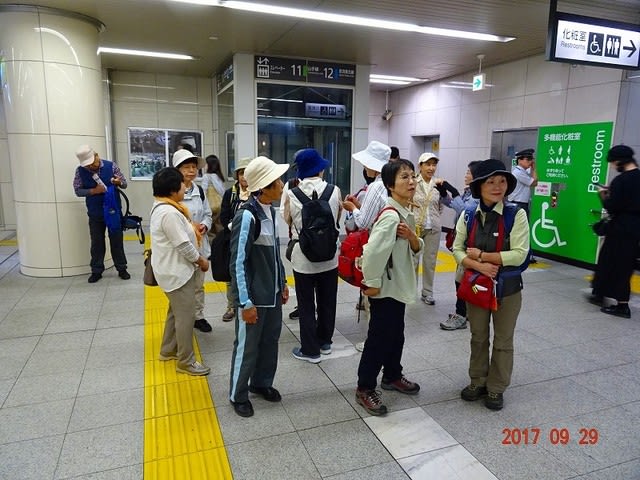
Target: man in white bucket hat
(258, 286)
(372, 158)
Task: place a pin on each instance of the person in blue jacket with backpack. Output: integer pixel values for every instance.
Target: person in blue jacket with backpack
(259, 287)
(91, 180)
(490, 369)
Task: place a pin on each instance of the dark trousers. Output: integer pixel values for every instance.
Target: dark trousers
(255, 351)
(97, 229)
(616, 262)
(461, 305)
(316, 292)
(384, 344)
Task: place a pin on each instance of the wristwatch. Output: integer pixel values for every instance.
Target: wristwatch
(480, 256)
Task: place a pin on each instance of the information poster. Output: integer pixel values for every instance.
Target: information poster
(151, 149)
(570, 160)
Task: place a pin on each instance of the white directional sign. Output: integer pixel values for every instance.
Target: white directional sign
(595, 41)
(478, 82)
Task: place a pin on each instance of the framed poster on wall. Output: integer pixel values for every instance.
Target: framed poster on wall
(151, 149)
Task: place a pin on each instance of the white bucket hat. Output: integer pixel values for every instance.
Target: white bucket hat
(374, 157)
(86, 155)
(183, 155)
(263, 171)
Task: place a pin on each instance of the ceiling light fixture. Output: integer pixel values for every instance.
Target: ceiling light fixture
(144, 53)
(394, 77)
(347, 19)
(388, 82)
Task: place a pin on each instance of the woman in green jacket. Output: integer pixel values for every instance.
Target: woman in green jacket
(388, 264)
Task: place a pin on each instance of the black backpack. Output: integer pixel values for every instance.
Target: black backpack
(319, 235)
(128, 220)
(221, 248)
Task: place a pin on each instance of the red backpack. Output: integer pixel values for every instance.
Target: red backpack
(350, 252)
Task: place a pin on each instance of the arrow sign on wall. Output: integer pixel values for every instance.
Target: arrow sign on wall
(632, 48)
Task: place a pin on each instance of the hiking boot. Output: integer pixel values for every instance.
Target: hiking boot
(270, 394)
(202, 325)
(229, 315)
(196, 368)
(294, 315)
(325, 349)
(494, 401)
(359, 346)
(94, 277)
(297, 353)
(620, 310)
(428, 299)
(473, 392)
(454, 322)
(402, 385)
(244, 409)
(124, 275)
(371, 401)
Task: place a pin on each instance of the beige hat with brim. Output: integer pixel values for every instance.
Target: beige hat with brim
(426, 156)
(242, 164)
(374, 157)
(86, 155)
(183, 155)
(262, 172)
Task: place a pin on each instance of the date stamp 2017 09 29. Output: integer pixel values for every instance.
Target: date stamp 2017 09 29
(555, 436)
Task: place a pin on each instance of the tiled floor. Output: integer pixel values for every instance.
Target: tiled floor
(72, 378)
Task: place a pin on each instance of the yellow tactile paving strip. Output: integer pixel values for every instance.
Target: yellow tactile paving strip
(182, 437)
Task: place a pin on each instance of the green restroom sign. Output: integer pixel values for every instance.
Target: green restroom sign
(570, 159)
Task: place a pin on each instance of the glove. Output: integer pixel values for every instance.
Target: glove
(453, 190)
(442, 190)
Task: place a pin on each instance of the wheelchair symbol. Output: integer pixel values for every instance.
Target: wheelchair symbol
(546, 224)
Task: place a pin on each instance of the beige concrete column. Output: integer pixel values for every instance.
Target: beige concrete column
(50, 75)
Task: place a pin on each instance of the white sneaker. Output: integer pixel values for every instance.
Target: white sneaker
(428, 299)
(196, 368)
(359, 346)
(454, 322)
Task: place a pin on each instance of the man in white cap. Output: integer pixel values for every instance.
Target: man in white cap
(258, 283)
(373, 158)
(92, 177)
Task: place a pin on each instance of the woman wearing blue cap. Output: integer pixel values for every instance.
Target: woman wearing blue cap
(316, 279)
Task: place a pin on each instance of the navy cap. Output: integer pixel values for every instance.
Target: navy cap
(620, 152)
(526, 153)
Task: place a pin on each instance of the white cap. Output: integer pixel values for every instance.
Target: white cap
(183, 155)
(86, 155)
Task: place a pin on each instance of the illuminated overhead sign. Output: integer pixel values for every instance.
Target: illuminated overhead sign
(301, 70)
(325, 110)
(593, 41)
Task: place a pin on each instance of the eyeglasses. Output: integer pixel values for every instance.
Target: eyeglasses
(406, 177)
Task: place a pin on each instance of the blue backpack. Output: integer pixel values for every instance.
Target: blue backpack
(111, 210)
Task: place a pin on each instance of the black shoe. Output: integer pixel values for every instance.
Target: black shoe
(124, 275)
(270, 394)
(244, 409)
(94, 277)
(473, 392)
(595, 299)
(494, 401)
(202, 325)
(294, 315)
(619, 310)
